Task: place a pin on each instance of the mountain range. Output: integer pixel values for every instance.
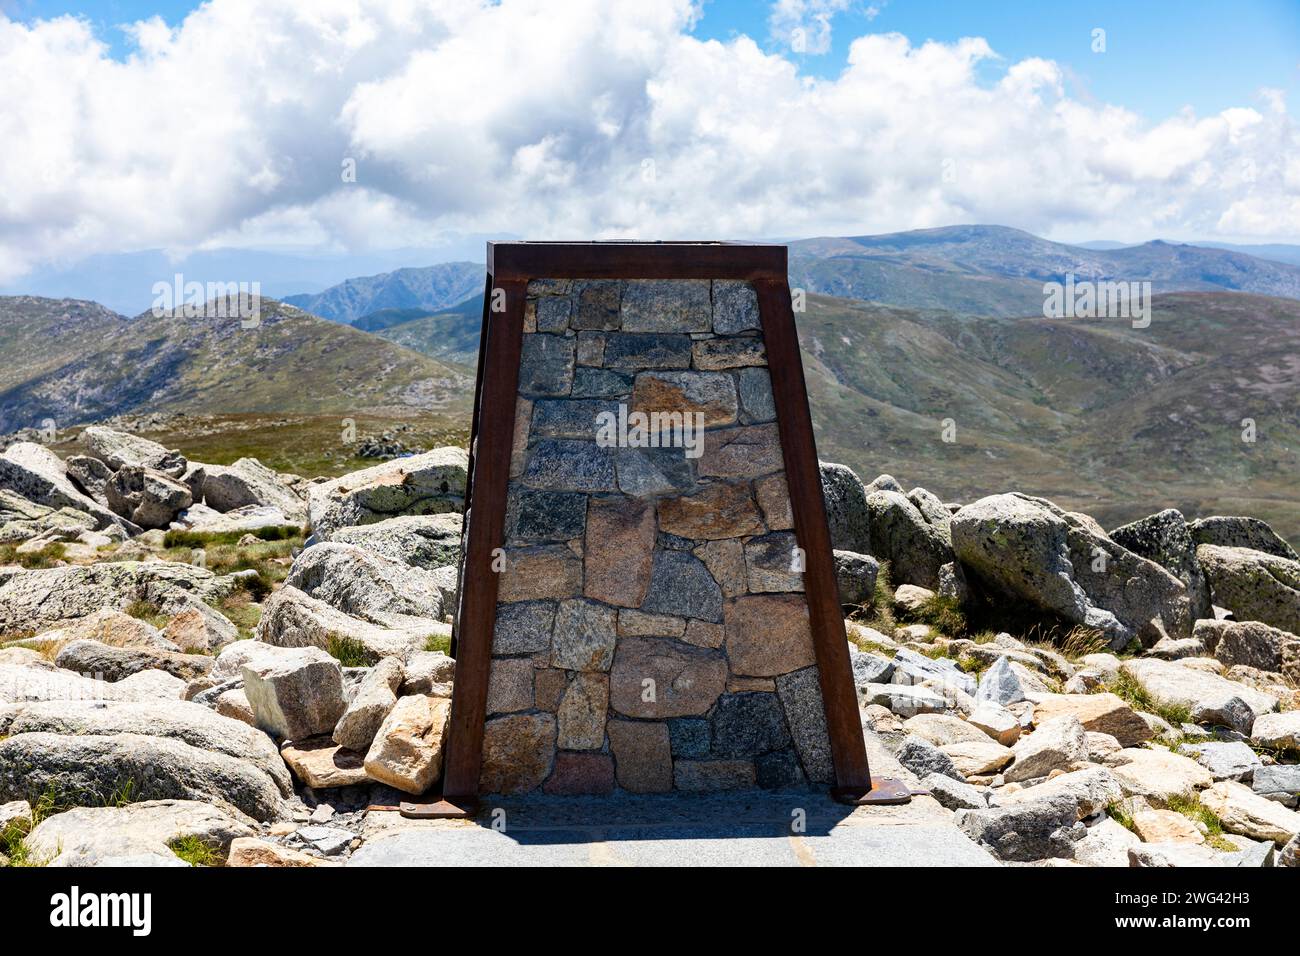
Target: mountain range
(901, 333)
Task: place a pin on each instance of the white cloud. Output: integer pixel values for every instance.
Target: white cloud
(578, 120)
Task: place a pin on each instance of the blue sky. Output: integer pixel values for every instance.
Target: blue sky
(1161, 55)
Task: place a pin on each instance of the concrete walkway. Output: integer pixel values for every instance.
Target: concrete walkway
(749, 828)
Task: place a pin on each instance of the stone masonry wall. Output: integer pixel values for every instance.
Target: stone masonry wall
(651, 634)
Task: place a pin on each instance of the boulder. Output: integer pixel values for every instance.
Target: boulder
(37, 474)
(924, 758)
(1035, 830)
(856, 576)
(995, 721)
(1028, 549)
(22, 683)
(184, 721)
(376, 696)
(250, 483)
(1100, 713)
(869, 668)
(199, 517)
(1254, 585)
(1243, 811)
(1241, 532)
(90, 475)
(366, 585)
(1277, 731)
(295, 693)
(148, 498)
(1209, 698)
(1166, 826)
(1280, 782)
(1106, 844)
(1165, 539)
(954, 794)
(1176, 854)
(846, 508)
(291, 618)
(913, 668)
(52, 597)
(902, 700)
(1055, 744)
(193, 630)
(900, 534)
(1000, 684)
(911, 598)
(432, 483)
(322, 764)
(110, 627)
(421, 541)
(118, 450)
(1158, 775)
(407, 750)
(1252, 644)
(39, 525)
(115, 663)
(1229, 760)
(138, 833)
(99, 767)
(1092, 789)
(426, 672)
(977, 757)
(944, 729)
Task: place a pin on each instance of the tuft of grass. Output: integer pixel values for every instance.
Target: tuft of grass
(1130, 690)
(148, 612)
(48, 557)
(195, 852)
(349, 651)
(240, 610)
(1193, 809)
(201, 539)
(13, 839)
(881, 616)
(438, 642)
(1121, 816)
(944, 614)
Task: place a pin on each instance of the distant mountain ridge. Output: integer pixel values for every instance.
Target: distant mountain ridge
(430, 288)
(996, 270)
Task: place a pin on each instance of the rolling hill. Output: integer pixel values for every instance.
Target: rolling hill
(78, 362)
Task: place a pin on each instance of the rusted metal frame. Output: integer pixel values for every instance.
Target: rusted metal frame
(803, 483)
(636, 260)
(493, 438)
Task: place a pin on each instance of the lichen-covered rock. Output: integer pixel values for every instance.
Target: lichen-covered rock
(363, 584)
(1028, 549)
(1164, 538)
(97, 767)
(1254, 585)
(118, 450)
(147, 498)
(846, 508)
(856, 576)
(294, 693)
(901, 534)
(1055, 744)
(248, 482)
(1037, 830)
(432, 483)
(40, 476)
(115, 663)
(1251, 644)
(1241, 532)
(1209, 698)
(421, 541)
(90, 475)
(375, 697)
(291, 618)
(134, 835)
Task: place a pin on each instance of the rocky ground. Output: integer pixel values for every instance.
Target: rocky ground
(187, 679)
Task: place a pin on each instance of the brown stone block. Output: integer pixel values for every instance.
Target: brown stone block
(704, 634)
(704, 775)
(549, 684)
(634, 623)
(711, 394)
(581, 773)
(541, 573)
(719, 510)
(659, 677)
(518, 752)
(745, 452)
(619, 550)
(768, 635)
(725, 559)
(642, 755)
(774, 500)
(581, 715)
(510, 685)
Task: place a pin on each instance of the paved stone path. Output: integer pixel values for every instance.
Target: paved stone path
(749, 828)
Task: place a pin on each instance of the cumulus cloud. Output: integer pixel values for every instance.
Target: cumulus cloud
(591, 118)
